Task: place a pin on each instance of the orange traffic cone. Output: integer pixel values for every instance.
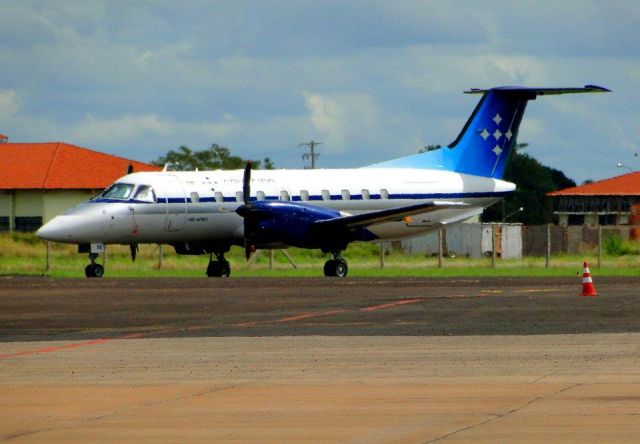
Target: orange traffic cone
(588, 289)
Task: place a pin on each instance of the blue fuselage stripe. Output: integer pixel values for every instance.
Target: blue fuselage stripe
(333, 197)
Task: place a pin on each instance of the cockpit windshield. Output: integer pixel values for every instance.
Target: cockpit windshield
(120, 191)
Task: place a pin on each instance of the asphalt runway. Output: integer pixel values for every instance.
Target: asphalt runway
(319, 360)
(71, 309)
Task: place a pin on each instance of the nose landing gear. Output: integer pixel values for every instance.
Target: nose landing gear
(93, 269)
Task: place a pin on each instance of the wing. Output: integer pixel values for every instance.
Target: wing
(381, 216)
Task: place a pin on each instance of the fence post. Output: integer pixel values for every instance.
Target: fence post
(493, 245)
(599, 245)
(440, 246)
(382, 254)
(548, 256)
(48, 262)
(271, 259)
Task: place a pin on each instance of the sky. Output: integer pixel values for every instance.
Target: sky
(371, 80)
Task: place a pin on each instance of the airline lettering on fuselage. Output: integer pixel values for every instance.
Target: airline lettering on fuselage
(198, 219)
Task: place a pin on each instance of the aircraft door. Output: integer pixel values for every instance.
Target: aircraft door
(176, 204)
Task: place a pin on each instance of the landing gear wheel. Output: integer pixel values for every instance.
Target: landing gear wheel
(94, 270)
(336, 268)
(220, 268)
(225, 269)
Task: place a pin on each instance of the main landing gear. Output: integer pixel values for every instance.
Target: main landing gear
(93, 270)
(219, 267)
(336, 267)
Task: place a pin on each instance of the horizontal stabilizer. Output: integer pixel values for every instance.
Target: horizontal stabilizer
(541, 91)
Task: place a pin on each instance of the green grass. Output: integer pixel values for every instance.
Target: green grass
(24, 254)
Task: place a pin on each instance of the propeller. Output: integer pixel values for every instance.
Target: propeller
(134, 251)
(246, 209)
(246, 184)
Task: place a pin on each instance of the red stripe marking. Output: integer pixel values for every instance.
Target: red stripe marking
(54, 348)
(171, 330)
(391, 304)
(57, 348)
(245, 324)
(309, 315)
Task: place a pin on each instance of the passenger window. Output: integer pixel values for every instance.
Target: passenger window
(365, 194)
(384, 194)
(145, 193)
(239, 196)
(260, 195)
(346, 195)
(218, 196)
(284, 195)
(326, 195)
(304, 195)
(195, 197)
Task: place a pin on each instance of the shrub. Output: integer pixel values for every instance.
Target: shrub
(613, 245)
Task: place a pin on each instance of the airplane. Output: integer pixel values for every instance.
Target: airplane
(207, 212)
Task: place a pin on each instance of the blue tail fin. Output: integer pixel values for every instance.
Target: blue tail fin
(485, 142)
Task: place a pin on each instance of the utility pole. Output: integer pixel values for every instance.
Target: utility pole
(312, 154)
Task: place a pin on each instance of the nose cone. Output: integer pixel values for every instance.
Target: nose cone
(59, 229)
(82, 224)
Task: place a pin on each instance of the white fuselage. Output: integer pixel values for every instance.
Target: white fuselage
(199, 206)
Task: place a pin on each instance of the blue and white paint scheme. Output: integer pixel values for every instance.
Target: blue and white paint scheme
(206, 212)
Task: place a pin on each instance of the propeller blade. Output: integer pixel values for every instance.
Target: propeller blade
(134, 251)
(245, 210)
(246, 184)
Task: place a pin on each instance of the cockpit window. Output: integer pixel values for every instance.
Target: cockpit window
(118, 191)
(145, 193)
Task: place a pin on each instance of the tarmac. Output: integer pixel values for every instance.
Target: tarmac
(319, 360)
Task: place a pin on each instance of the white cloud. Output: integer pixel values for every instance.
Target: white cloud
(343, 119)
(130, 130)
(370, 79)
(9, 104)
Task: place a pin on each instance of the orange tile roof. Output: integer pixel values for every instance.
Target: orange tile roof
(625, 185)
(60, 165)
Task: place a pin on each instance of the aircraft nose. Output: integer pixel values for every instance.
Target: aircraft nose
(57, 230)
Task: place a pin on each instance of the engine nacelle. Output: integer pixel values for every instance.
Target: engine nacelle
(289, 223)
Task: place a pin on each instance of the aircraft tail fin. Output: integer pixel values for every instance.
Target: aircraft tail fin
(483, 146)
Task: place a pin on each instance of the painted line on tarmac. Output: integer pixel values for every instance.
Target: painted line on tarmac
(302, 316)
(536, 290)
(309, 315)
(292, 318)
(391, 304)
(74, 345)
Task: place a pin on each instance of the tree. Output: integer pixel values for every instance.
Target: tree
(533, 181)
(214, 158)
(268, 163)
(429, 148)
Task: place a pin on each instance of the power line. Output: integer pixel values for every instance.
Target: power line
(312, 154)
